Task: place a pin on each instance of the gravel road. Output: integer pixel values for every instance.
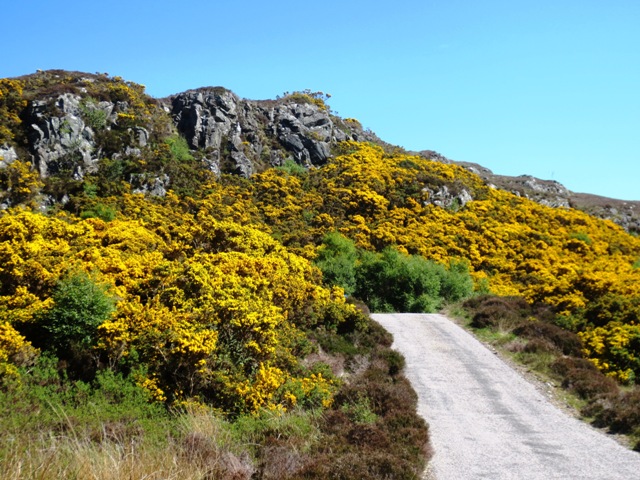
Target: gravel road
(488, 422)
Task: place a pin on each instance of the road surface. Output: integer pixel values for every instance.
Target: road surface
(486, 421)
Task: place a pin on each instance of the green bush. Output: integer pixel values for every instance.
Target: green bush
(80, 306)
(392, 281)
(456, 283)
(93, 115)
(337, 260)
(111, 406)
(179, 148)
(101, 211)
(292, 168)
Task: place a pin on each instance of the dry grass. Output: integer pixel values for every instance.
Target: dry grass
(67, 457)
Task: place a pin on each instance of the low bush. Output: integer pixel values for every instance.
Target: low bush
(567, 343)
(619, 412)
(581, 377)
(490, 311)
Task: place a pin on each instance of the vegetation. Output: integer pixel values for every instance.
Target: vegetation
(391, 281)
(166, 314)
(11, 105)
(237, 304)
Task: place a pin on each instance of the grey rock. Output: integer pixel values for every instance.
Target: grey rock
(443, 197)
(243, 136)
(153, 186)
(61, 142)
(141, 135)
(8, 155)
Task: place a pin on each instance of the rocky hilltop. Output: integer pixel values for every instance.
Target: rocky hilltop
(88, 117)
(554, 194)
(72, 124)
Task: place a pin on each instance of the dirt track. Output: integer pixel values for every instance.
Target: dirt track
(486, 421)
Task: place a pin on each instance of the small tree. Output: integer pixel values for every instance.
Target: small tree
(80, 306)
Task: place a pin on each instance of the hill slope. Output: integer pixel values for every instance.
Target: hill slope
(190, 225)
(93, 139)
(68, 123)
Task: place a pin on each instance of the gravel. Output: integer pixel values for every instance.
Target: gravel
(487, 421)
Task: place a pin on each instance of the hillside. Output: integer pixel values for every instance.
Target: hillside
(71, 121)
(200, 247)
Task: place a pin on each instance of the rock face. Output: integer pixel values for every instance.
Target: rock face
(58, 137)
(7, 155)
(244, 136)
(65, 133)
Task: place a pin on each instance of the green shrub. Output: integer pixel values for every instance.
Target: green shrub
(360, 411)
(80, 306)
(292, 168)
(456, 282)
(110, 407)
(92, 114)
(391, 281)
(337, 260)
(581, 236)
(101, 211)
(179, 148)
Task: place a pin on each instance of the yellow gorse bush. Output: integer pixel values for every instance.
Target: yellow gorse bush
(213, 305)
(212, 310)
(11, 104)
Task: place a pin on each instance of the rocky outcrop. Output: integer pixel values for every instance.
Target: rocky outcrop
(443, 197)
(554, 194)
(59, 139)
(70, 132)
(544, 192)
(244, 136)
(624, 213)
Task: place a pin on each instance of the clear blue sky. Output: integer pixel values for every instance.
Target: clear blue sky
(549, 88)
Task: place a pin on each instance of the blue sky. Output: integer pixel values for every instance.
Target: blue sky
(547, 88)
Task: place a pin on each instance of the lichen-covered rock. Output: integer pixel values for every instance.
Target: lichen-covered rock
(8, 155)
(59, 139)
(443, 197)
(244, 136)
(154, 186)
